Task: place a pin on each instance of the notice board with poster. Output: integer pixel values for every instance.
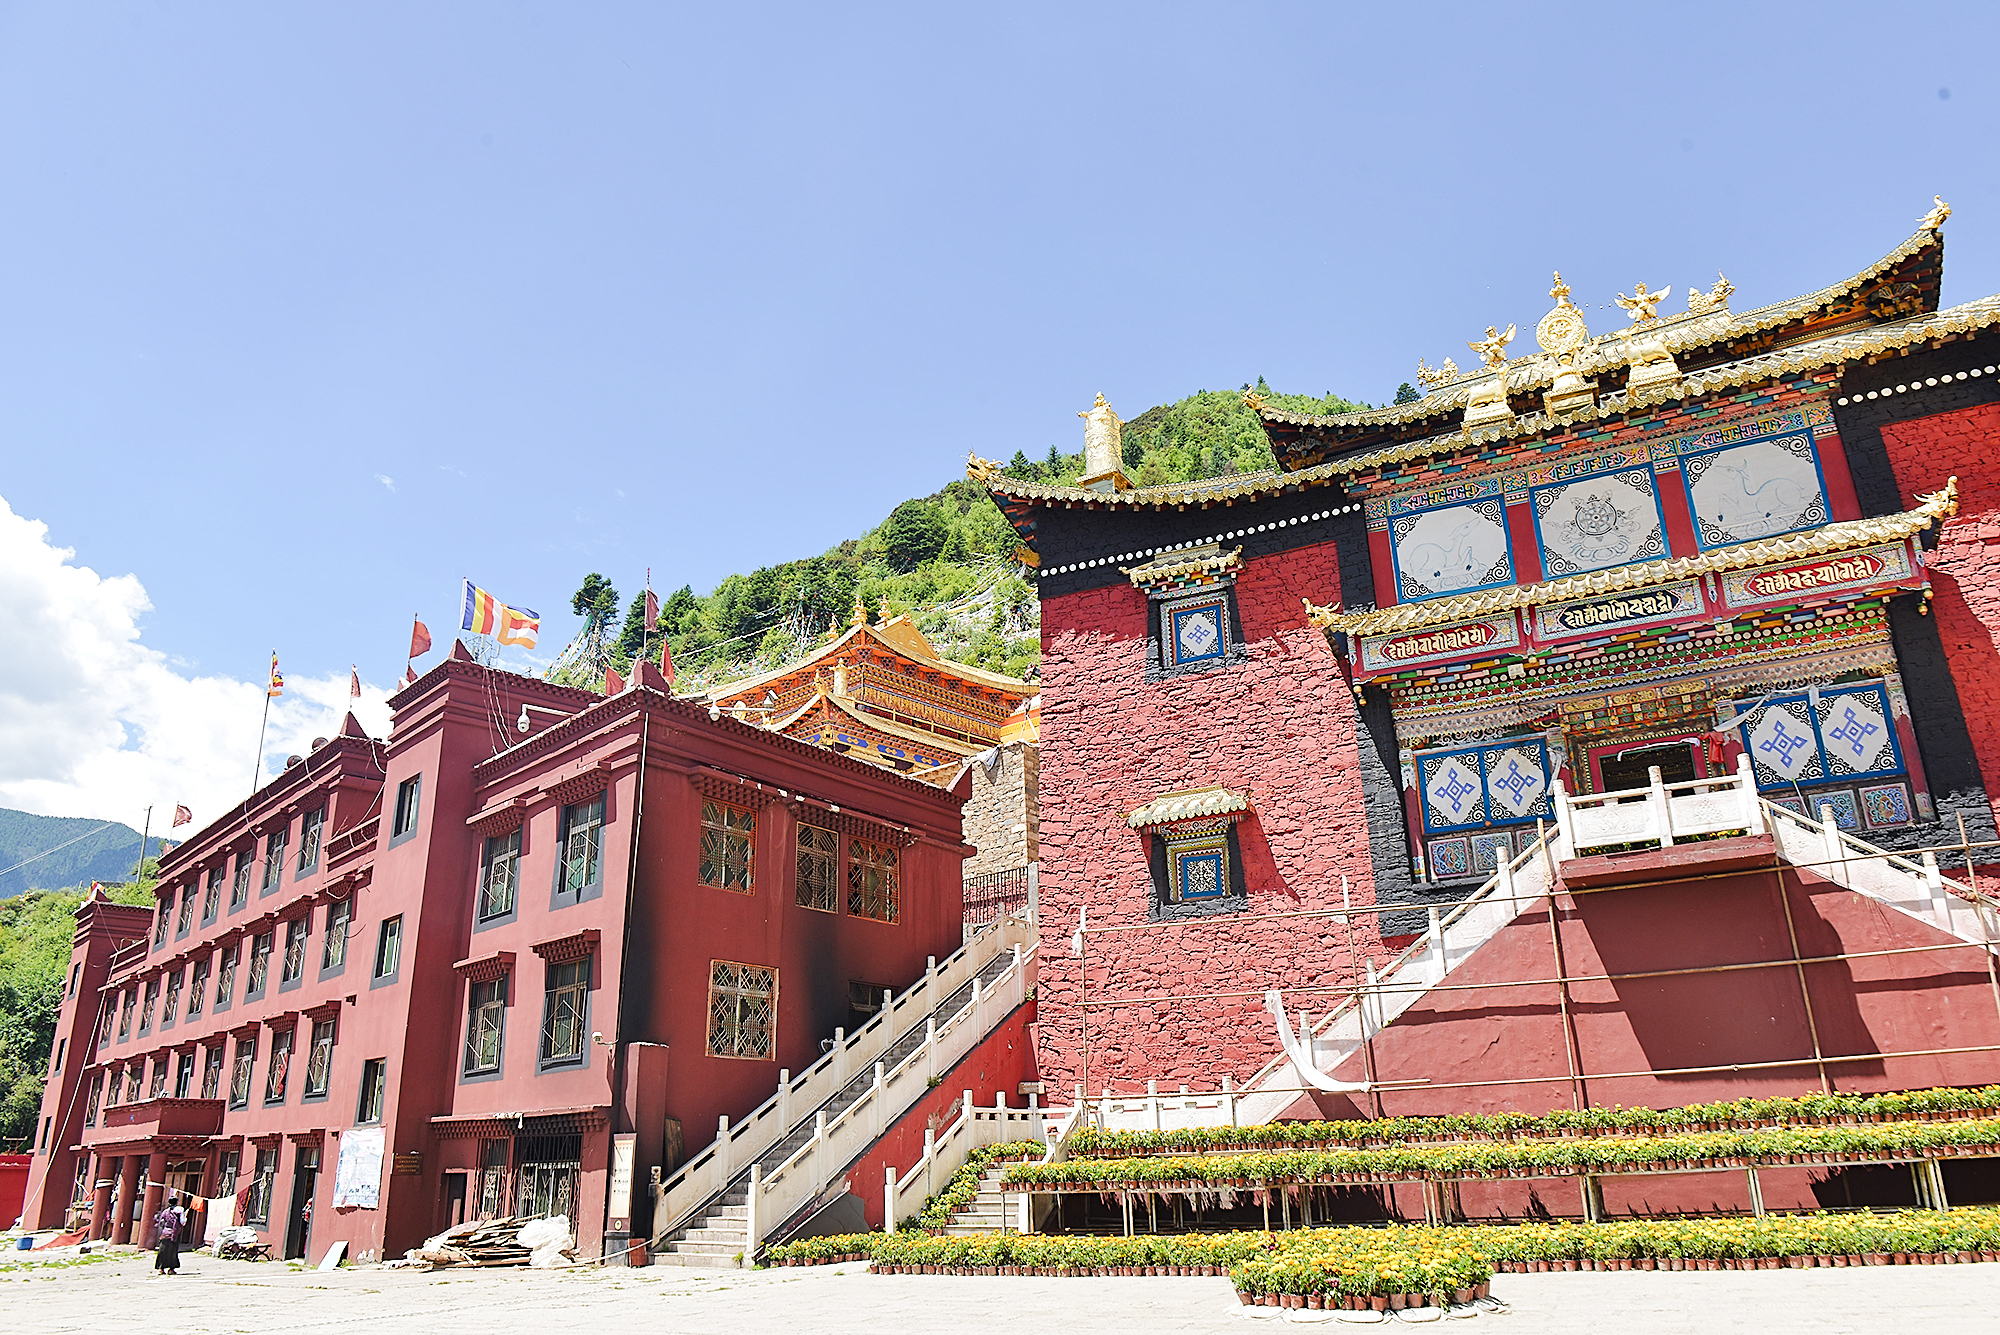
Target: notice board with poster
(357, 1179)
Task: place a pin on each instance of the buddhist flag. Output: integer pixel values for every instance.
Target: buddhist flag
(667, 661)
(420, 638)
(277, 686)
(482, 610)
(353, 682)
(519, 626)
(181, 816)
(652, 610)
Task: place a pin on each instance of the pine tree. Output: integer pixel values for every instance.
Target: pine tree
(1407, 393)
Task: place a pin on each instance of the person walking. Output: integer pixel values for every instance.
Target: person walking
(169, 1226)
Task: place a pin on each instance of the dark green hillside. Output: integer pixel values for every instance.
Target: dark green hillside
(104, 853)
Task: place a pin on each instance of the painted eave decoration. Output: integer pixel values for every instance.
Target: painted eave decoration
(1186, 566)
(1189, 804)
(1829, 538)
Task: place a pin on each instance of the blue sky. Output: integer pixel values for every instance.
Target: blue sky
(705, 288)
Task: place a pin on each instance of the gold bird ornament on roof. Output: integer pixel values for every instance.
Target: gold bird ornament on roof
(1935, 218)
(1643, 306)
(1492, 349)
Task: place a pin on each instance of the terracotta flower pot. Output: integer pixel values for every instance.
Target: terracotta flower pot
(1379, 1301)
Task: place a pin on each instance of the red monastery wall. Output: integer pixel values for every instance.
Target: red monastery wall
(1282, 725)
(1966, 573)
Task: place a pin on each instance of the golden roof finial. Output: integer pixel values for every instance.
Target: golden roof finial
(1643, 306)
(1253, 400)
(1935, 218)
(1492, 349)
(1560, 291)
(1943, 503)
(980, 470)
(1714, 299)
(860, 615)
(1431, 377)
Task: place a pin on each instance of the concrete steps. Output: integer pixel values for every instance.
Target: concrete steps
(717, 1240)
(987, 1212)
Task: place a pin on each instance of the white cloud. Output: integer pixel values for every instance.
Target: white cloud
(94, 723)
(388, 482)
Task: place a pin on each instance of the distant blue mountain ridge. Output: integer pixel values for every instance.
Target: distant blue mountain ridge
(105, 852)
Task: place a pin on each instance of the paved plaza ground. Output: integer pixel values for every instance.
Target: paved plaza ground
(120, 1295)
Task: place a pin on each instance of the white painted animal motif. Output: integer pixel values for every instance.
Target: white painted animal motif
(1447, 565)
(1771, 506)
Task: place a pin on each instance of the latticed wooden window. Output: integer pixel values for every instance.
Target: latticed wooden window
(727, 834)
(172, 1005)
(184, 1075)
(871, 880)
(211, 899)
(309, 834)
(258, 1209)
(563, 1011)
(319, 1066)
(159, 1086)
(486, 1004)
(186, 917)
(239, 889)
(819, 869)
(742, 1010)
(274, 858)
(295, 950)
(339, 916)
(280, 1068)
(239, 1079)
(96, 1097)
(225, 977)
(260, 963)
(502, 876)
(583, 845)
(211, 1073)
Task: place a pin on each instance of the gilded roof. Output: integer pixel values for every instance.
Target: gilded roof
(1829, 351)
(1828, 538)
(1189, 804)
(1679, 332)
(897, 635)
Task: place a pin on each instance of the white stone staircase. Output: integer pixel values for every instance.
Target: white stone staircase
(990, 1211)
(718, 1238)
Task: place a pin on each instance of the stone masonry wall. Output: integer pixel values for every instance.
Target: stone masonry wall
(1966, 565)
(1282, 725)
(1003, 815)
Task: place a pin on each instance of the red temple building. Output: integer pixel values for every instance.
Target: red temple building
(1731, 567)
(521, 958)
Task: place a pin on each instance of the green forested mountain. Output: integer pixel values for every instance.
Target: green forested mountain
(946, 559)
(104, 852)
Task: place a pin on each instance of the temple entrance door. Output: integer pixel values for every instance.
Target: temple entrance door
(1619, 770)
(305, 1180)
(454, 1199)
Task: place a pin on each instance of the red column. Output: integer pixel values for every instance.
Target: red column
(156, 1168)
(128, 1185)
(100, 1200)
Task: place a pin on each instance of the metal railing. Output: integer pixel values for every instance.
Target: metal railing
(993, 895)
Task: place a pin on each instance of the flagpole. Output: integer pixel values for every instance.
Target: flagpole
(257, 766)
(139, 873)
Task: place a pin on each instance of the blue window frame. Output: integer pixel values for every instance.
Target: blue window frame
(1849, 733)
(1755, 489)
(1499, 783)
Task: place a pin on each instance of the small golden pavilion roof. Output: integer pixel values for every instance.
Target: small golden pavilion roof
(1189, 804)
(1829, 538)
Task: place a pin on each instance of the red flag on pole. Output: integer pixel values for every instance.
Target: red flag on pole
(353, 682)
(420, 638)
(409, 676)
(667, 660)
(613, 683)
(182, 816)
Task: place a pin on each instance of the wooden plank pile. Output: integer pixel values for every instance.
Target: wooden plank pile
(480, 1242)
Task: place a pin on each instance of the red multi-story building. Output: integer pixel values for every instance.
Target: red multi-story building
(412, 982)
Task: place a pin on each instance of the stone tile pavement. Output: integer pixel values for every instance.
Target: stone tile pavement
(121, 1295)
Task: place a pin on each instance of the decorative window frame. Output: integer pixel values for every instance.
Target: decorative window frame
(1877, 692)
(1165, 610)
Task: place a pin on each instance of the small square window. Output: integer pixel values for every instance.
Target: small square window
(742, 1010)
(389, 948)
(1192, 631)
(407, 795)
(728, 836)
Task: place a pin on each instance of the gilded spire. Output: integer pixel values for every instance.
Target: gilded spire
(860, 614)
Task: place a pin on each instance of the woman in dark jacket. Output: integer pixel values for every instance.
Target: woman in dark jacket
(169, 1226)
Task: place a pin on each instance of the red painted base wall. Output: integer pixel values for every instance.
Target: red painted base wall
(1514, 1037)
(1282, 725)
